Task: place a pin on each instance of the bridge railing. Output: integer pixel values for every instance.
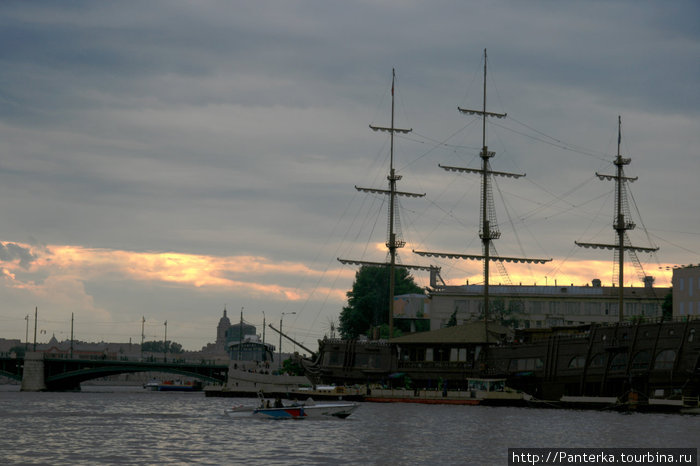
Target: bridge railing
(136, 358)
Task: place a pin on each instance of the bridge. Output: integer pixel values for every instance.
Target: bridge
(40, 372)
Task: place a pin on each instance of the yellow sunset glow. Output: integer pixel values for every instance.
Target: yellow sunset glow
(579, 273)
(260, 276)
(255, 275)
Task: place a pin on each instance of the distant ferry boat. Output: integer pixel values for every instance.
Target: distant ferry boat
(173, 386)
(250, 373)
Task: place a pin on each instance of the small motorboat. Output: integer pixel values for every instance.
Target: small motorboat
(173, 386)
(308, 409)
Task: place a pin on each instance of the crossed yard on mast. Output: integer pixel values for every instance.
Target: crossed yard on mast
(394, 241)
(489, 227)
(621, 223)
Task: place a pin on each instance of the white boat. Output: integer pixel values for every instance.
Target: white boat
(246, 379)
(249, 372)
(305, 410)
(152, 385)
(173, 386)
(489, 392)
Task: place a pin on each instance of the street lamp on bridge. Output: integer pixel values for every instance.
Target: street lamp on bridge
(165, 343)
(279, 367)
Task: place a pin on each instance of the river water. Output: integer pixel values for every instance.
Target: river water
(128, 425)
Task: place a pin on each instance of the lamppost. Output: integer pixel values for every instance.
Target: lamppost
(143, 322)
(165, 343)
(26, 338)
(279, 367)
(71, 335)
(36, 313)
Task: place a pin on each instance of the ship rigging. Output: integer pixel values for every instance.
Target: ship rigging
(488, 225)
(394, 240)
(622, 222)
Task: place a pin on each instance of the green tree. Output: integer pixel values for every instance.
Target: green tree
(18, 350)
(292, 367)
(667, 306)
(506, 316)
(453, 319)
(368, 301)
(384, 331)
(157, 347)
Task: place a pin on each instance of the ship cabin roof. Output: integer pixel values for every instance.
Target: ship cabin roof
(469, 333)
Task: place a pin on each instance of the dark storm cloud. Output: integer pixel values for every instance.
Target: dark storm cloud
(228, 128)
(14, 252)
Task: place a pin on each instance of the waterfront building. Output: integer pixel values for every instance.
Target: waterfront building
(686, 291)
(536, 306)
(239, 332)
(89, 350)
(6, 345)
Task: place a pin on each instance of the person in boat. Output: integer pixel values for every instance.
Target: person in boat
(278, 403)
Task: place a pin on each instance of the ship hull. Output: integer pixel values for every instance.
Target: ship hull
(248, 383)
(641, 366)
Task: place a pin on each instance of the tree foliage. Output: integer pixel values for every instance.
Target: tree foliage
(453, 319)
(504, 315)
(368, 301)
(667, 306)
(292, 367)
(158, 347)
(18, 350)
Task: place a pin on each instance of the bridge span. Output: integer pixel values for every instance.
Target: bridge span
(40, 372)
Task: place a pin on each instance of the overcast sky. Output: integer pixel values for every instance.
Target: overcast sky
(167, 159)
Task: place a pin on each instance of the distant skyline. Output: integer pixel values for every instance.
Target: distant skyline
(166, 159)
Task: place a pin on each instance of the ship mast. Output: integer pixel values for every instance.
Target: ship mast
(488, 225)
(621, 223)
(394, 241)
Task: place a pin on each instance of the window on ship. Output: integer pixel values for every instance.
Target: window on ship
(577, 362)
(664, 360)
(333, 358)
(598, 360)
(641, 361)
(525, 364)
(619, 362)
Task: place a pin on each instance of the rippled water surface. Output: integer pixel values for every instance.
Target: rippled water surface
(120, 425)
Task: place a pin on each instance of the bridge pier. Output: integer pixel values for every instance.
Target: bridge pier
(33, 378)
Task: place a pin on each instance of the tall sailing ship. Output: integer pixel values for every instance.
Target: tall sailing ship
(632, 363)
(653, 365)
(359, 360)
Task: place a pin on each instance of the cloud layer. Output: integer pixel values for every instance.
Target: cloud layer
(174, 158)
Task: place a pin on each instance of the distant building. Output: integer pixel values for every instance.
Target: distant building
(221, 329)
(686, 291)
(7, 344)
(219, 348)
(545, 306)
(238, 332)
(237, 341)
(85, 350)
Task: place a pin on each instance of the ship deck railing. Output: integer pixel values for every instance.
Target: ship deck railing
(602, 325)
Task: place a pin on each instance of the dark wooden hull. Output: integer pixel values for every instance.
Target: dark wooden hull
(631, 362)
(655, 360)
